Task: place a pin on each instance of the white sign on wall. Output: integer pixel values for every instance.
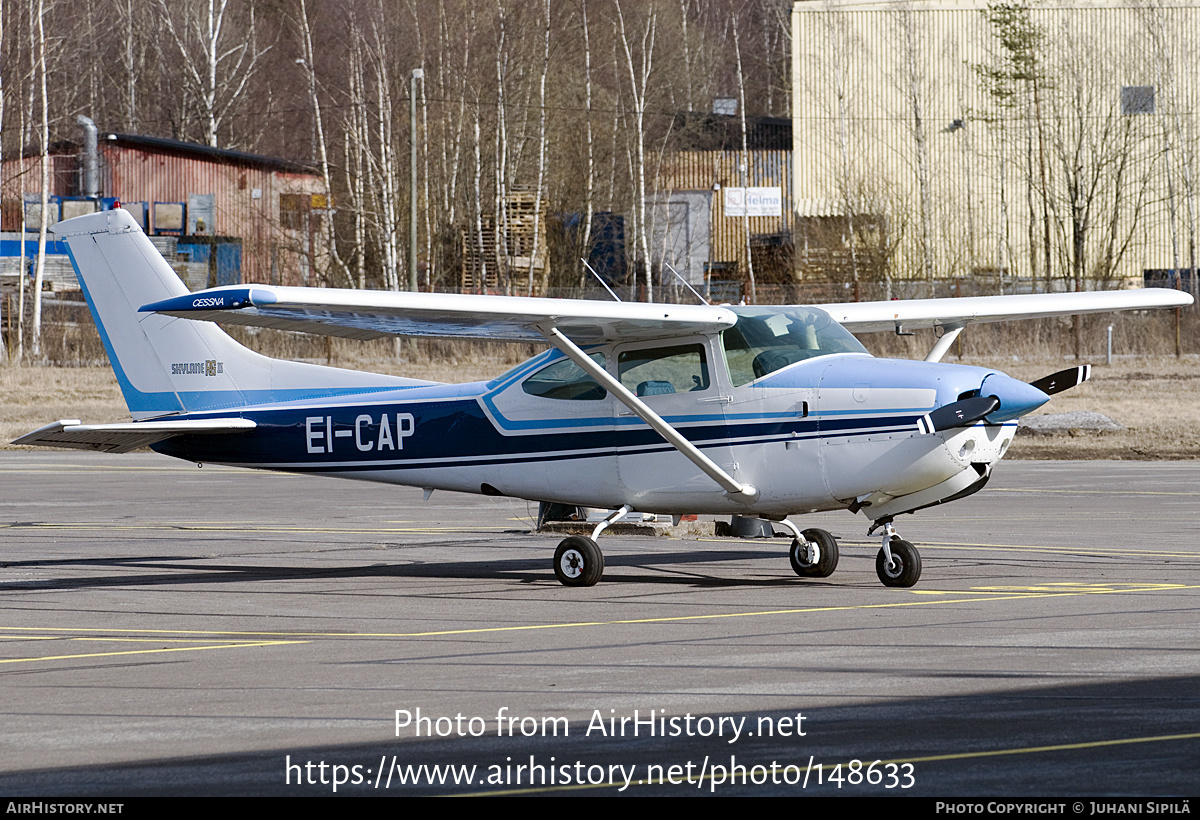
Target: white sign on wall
(753, 202)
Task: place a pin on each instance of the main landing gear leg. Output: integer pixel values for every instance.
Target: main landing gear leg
(814, 553)
(898, 563)
(578, 561)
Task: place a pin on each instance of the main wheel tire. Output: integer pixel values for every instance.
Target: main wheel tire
(906, 570)
(578, 562)
(826, 558)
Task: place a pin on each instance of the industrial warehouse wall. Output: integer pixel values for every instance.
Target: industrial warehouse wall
(725, 241)
(268, 207)
(1068, 154)
(246, 204)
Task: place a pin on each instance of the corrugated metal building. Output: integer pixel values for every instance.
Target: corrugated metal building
(714, 200)
(195, 192)
(926, 149)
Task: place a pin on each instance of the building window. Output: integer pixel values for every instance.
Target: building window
(1137, 99)
(293, 211)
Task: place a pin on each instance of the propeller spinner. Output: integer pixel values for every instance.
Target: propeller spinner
(1002, 398)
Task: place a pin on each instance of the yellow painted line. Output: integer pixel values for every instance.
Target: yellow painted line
(154, 640)
(978, 595)
(1099, 586)
(115, 468)
(1036, 548)
(1115, 551)
(236, 527)
(1066, 550)
(1066, 586)
(1060, 747)
(1086, 492)
(239, 645)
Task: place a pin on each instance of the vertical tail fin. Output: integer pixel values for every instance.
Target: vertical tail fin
(167, 365)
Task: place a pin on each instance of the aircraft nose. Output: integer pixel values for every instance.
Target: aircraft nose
(1017, 398)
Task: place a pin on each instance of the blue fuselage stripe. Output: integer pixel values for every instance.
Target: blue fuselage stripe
(458, 432)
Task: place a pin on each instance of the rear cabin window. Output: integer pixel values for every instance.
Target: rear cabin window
(566, 381)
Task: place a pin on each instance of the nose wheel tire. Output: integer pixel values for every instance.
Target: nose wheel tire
(905, 569)
(578, 562)
(816, 559)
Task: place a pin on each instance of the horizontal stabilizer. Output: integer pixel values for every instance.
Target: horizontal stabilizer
(124, 437)
(367, 314)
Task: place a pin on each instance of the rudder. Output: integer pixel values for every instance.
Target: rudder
(167, 365)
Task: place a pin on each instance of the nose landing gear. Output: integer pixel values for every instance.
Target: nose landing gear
(898, 563)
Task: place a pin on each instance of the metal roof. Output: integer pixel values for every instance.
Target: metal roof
(222, 155)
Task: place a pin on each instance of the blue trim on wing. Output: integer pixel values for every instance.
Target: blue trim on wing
(229, 298)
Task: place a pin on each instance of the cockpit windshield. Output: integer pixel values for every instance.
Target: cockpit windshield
(766, 339)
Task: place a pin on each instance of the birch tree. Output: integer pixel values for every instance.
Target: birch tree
(744, 165)
(218, 53)
(590, 173)
(913, 86)
(1016, 84)
(1169, 44)
(541, 164)
(500, 258)
(307, 62)
(639, 83)
(839, 44)
(38, 33)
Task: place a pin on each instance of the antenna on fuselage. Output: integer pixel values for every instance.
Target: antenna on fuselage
(598, 279)
(679, 276)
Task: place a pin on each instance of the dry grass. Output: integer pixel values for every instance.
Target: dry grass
(33, 396)
(1155, 397)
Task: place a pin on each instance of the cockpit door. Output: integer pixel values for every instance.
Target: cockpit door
(678, 381)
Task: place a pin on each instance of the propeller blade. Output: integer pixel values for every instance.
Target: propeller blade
(1063, 379)
(961, 413)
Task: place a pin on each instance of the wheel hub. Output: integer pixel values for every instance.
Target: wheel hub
(572, 563)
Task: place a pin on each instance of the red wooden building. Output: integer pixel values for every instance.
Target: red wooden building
(273, 206)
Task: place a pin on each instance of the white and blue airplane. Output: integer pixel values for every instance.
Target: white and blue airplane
(748, 410)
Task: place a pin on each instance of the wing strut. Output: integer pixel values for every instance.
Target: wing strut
(949, 334)
(736, 490)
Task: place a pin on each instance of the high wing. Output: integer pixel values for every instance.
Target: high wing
(125, 437)
(866, 317)
(362, 314)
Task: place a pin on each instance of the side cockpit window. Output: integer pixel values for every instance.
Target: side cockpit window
(564, 380)
(659, 370)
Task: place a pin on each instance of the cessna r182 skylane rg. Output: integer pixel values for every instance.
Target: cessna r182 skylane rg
(758, 411)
